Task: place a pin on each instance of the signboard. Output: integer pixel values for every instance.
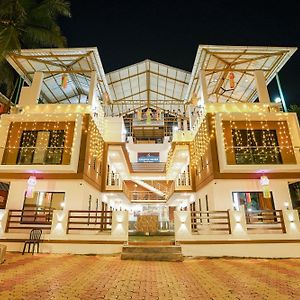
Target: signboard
(148, 157)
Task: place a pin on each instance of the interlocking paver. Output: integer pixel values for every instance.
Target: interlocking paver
(76, 277)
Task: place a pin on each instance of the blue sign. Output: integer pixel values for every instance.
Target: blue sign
(148, 157)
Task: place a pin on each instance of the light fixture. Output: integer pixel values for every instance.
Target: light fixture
(277, 100)
(238, 219)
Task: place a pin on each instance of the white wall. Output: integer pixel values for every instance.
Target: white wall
(5, 122)
(220, 192)
(114, 129)
(76, 192)
(293, 128)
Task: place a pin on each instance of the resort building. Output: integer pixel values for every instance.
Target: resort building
(92, 158)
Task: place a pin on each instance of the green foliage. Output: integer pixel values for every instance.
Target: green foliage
(295, 108)
(29, 24)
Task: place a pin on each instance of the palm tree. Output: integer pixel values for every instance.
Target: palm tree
(28, 24)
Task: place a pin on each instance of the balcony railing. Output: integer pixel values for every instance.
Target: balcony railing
(113, 180)
(258, 154)
(20, 220)
(265, 221)
(35, 155)
(183, 180)
(210, 222)
(88, 220)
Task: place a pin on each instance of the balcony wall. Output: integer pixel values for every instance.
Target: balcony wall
(11, 128)
(11, 151)
(284, 142)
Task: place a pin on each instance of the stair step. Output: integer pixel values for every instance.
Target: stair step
(151, 249)
(152, 256)
(152, 243)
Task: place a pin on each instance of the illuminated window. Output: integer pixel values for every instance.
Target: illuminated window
(256, 147)
(41, 147)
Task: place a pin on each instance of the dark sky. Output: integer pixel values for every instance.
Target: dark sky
(169, 32)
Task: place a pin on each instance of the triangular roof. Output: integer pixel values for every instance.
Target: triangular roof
(77, 62)
(219, 61)
(148, 80)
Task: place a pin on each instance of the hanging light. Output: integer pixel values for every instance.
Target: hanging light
(105, 98)
(264, 182)
(194, 99)
(64, 81)
(231, 80)
(31, 183)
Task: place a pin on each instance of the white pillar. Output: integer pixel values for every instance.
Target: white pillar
(203, 87)
(291, 222)
(182, 225)
(261, 86)
(92, 90)
(185, 124)
(238, 222)
(59, 223)
(3, 220)
(30, 94)
(119, 227)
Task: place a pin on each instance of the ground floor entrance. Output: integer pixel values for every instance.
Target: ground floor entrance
(151, 223)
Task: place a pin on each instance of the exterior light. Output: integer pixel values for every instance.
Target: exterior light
(238, 219)
(277, 100)
(286, 205)
(175, 128)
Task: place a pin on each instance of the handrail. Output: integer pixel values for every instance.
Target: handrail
(265, 220)
(24, 219)
(141, 195)
(87, 220)
(210, 221)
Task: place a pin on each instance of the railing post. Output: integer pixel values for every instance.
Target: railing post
(3, 220)
(182, 224)
(59, 223)
(119, 227)
(237, 221)
(290, 221)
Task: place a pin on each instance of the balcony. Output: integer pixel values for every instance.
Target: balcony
(255, 155)
(36, 156)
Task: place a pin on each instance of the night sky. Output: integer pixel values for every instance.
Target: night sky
(127, 32)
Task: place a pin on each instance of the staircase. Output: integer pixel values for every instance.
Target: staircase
(152, 253)
(148, 167)
(149, 187)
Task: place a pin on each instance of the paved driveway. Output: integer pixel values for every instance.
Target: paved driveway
(53, 276)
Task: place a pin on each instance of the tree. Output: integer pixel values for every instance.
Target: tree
(295, 108)
(28, 24)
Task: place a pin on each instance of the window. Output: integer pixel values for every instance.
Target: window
(41, 147)
(39, 208)
(256, 147)
(45, 200)
(252, 201)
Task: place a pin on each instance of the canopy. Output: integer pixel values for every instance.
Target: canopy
(75, 65)
(223, 64)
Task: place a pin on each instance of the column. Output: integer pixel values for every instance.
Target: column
(30, 94)
(203, 87)
(261, 86)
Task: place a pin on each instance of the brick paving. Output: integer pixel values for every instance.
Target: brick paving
(54, 276)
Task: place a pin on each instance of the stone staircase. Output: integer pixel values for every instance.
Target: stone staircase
(152, 252)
